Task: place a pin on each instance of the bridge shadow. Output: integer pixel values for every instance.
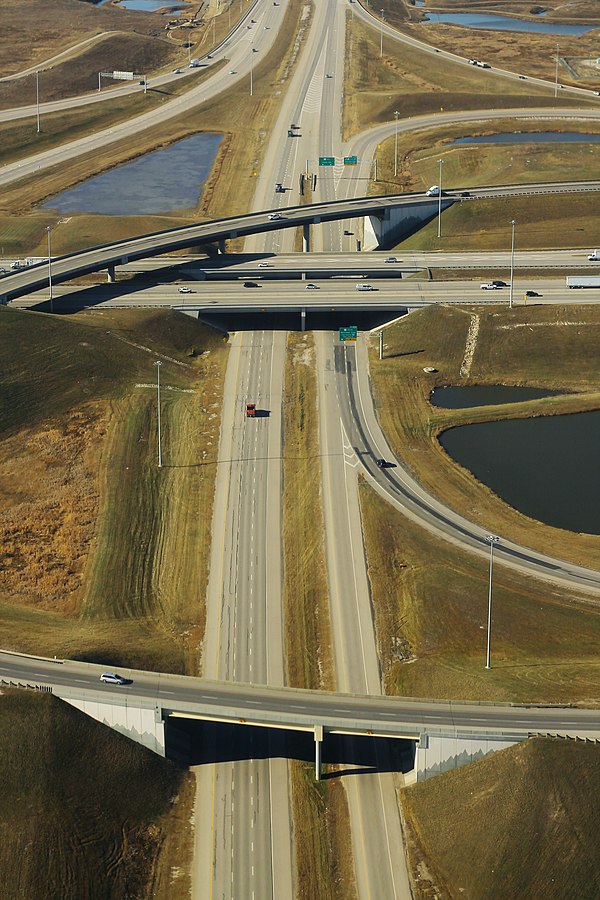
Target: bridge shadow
(197, 743)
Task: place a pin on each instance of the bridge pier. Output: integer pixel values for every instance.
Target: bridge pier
(302, 320)
(110, 273)
(306, 237)
(318, 742)
(222, 249)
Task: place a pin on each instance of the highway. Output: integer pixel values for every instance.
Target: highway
(329, 295)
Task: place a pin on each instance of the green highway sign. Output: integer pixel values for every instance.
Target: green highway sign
(327, 160)
(349, 333)
(351, 160)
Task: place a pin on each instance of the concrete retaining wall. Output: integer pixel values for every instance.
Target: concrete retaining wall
(142, 725)
(385, 231)
(441, 753)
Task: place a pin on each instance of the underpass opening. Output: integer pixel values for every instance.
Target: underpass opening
(197, 742)
(315, 320)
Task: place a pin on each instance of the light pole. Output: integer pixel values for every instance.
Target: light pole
(556, 77)
(491, 539)
(381, 36)
(396, 114)
(441, 163)
(512, 264)
(50, 270)
(158, 364)
(251, 70)
(37, 99)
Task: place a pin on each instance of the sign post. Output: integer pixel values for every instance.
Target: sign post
(348, 332)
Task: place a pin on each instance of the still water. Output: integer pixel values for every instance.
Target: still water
(547, 467)
(159, 182)
(146, 5)
(504, 23)
(531, 137)
(452, 397)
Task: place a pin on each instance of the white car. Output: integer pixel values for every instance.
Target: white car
(232, 72)
(312, 287)
(434, 191)
(273, 217)
(265, 266)
(112, 678)
(365, 287)
(392, 259)
(184, 290)
(489, 286)
(176, 71)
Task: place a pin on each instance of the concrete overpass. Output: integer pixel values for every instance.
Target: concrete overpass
(390, 217)
(446, 733)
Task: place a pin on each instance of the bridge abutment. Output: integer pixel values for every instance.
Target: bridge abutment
(437, 753)
(384, 230)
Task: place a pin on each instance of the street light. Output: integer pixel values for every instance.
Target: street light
(50, 270)
(251, 70)
(396, 114)
(158, 364)
(381, 42)
(491, 539)
(556, 77)
(37, 99)
(441, 162)
(512, 264)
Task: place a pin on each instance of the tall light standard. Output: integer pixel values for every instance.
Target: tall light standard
(381, 36)
(251, 70)
(492, 539)
(50, 270)
(37, 99)
(441, 163)
(396, 114)
(512, 265)
(158, 364)
(556, 77)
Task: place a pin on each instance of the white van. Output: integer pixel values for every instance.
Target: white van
(434, 191)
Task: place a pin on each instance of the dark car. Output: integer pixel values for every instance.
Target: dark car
(532, 294)
(251, 284)
(381, 463)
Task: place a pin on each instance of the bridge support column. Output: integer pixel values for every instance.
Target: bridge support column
(110, 272)
(222, 250)
(302, 320)
(306, 237)
(318, 742)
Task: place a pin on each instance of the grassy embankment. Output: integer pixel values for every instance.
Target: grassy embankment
(104, 556)
(536, 826)
(430, 597)
(321, 825)
(85, 812)
(245, 121)
(414, 82)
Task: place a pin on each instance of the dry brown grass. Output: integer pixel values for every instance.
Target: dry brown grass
(105, 557)
(535, 826)
(308, 650)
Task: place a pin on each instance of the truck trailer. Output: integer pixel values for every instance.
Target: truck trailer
(583, 281)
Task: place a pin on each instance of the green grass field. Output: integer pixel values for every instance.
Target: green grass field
(519, 823)
(84, 811)
(104, 556)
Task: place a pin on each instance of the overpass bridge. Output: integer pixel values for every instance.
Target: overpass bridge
(446, 733)
(390, 217)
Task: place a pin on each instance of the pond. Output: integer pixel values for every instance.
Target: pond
(504, 23)
(454, 397)
(530, 137)
(159, 182)
(545, 467)
(146, 5)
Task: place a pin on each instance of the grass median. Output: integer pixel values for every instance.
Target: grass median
(321, 824)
